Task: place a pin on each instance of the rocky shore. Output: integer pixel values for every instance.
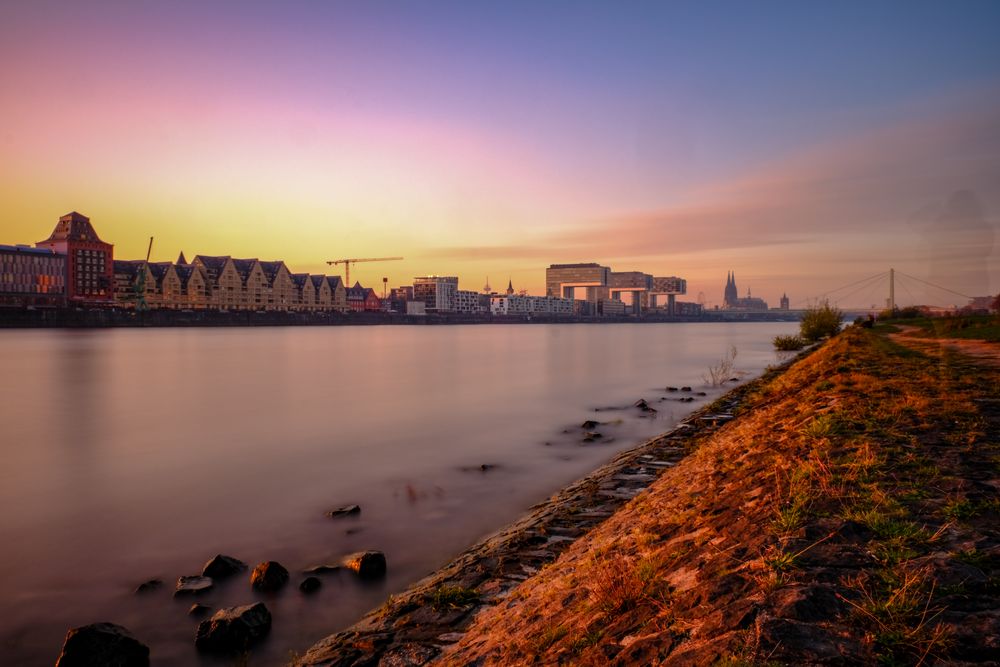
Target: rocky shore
(416, 626)
(843, 511)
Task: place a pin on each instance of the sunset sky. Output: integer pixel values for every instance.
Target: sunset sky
(803, 145)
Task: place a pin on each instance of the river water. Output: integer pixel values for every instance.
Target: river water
(136, 454)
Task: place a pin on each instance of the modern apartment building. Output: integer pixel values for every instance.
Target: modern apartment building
(515, 304)
(437, 292)
(468, 302)
(32, 276)
(585, 282)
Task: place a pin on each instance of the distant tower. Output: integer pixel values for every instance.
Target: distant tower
(510, 287)
(731, 294)
(784, 301)
(486, 288)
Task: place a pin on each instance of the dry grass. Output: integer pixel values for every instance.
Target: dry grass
(838, 436)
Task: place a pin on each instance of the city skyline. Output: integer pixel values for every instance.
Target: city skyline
(476, 141)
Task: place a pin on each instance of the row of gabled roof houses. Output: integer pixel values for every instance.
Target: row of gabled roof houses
(73, 266)
(230, 283)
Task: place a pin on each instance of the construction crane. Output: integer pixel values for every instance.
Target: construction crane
(140, 281)
(347, 264)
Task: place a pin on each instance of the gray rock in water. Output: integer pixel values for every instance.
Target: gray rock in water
(310, 585)
(268, 576)
(322, 569)
(233, 629)
(367, 564)
(149, 586)
(221, 567)
(193, 585)
(347, 510)
(685, 388)
(102, 645)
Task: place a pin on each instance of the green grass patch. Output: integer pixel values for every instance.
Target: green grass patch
(452, 597)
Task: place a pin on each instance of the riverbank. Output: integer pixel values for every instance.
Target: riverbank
(94, 318)
(846, 514)
(417, 625)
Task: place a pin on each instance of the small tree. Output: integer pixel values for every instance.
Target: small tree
(820, 321)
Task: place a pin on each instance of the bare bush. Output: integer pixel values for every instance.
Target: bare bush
(723, 370)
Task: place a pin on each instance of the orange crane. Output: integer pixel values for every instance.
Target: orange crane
(347, 264)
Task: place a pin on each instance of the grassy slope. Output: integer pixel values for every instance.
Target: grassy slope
(849, 515)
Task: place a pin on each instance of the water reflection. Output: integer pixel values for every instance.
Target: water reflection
(160, 448)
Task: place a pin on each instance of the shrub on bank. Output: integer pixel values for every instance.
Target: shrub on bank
(789, 343)
(820, 321)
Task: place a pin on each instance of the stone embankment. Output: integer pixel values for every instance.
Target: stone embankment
(418, 625)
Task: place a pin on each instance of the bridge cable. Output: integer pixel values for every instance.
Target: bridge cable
(857, 282)
(933, 285)
(863, 287)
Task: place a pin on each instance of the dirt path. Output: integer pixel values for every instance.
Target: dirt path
(979, 350)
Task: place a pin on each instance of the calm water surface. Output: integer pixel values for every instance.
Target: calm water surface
(134, 454)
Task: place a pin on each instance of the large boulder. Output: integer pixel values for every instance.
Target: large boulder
(268, 576)
(367, 564)
(233, 629)
(221, 567)
(102, 645)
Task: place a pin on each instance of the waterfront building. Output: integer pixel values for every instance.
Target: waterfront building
(583, 281)
(89, 269)
(688, 309)
(437, 292)
(167, 285)
(467, 302)
(784, 301)
(401, 293)
(612, 308)
(362, 299)
(338, 294)
(194, 286)
(322, 294)
(279, 288)
(32, 276)
(252, 284)
(224, 284)
(304, 296)
(670, 287)
(518, 304)
(632, 288)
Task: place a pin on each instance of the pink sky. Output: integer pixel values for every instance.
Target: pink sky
(316, 134)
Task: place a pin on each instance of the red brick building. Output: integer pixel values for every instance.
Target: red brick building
(90, 273)
(363, 299)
